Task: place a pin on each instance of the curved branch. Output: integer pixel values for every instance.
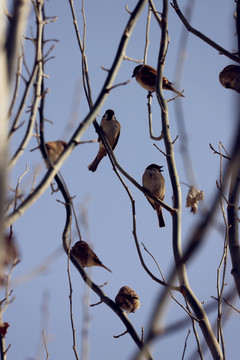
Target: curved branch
(150, 120)
(201, 36)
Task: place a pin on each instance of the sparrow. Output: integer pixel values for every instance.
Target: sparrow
(146, 77)
(127, 299)
(11, 251)
(229, 77)
(85, 255)
(154, 182)
(10, 257)
(54, 149)
(111, 128)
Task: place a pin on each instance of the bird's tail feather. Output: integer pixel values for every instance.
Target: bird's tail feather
(93, 166)
(161, 219)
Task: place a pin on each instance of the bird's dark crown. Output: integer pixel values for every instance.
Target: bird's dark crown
(136, 70)
(110, 113)
(155, 166)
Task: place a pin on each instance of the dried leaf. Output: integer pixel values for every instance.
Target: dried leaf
(3, 328)
(194, 195)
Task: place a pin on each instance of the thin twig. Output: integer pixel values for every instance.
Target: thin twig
(86, 142)
(119, 84)
(45, 345)
(118, 336)
(216, 152)
(162, 152)
(156, 13)
(17, 83)
(160, 137)
(169, 287)
(195, 334)
(233, 307)
(125, 57)
(147, 34)
(16, 195)
(71, 304)
(185, 344)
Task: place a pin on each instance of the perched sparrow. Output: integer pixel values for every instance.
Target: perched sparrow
(146, 76)
(127, 299)
(154, 182)
(54, 149)
(84, 254)
(10, 249)
(10, 256)
(229, 77)
(111, 128)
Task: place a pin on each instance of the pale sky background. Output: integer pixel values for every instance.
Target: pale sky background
(209, 112)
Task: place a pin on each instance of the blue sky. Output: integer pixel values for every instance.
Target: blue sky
(209, 114)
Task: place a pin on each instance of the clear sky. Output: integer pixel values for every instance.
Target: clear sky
(209, 115)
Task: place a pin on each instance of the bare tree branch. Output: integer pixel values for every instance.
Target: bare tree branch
(31, 199)
(201, 36)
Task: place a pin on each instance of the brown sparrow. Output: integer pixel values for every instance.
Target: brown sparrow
(146, 76)
(111, 128)
(10, 256)
(54, 149)
(154, 182)
(229, 77)
(85, 255)
(127, 299)
(10, 249)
